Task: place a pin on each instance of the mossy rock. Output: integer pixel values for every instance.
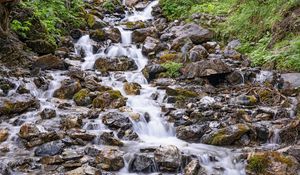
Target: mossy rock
(169, 57)
(97, 35)
(91, 20)
(134, 25)
(82, 98)
(109, 99)
(181, 92)
(258, 164)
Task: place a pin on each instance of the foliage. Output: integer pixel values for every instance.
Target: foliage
(110, 5)
(176, 8)
(21, 28)
(172, 68)
(258, 163)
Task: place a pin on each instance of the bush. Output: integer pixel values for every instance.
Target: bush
(172, 68)
(177, 8)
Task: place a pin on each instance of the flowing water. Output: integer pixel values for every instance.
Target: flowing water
(156, 132)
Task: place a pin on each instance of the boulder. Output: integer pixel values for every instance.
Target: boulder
(28, 131)
(131, 3)
(48, 113)
(168, 158)
(110, 159)
(82, 98)
(132, 88)
(97, 35)
(142, 163)
(113, 34)
(49, 62)
(294, 151)
(76, 34)
(291, 132)
(115, 121)
(291, 79)
(198, 53)
(6, 85)
(109, 99)
(67, 89)
(3, 134)
(115, 64)
(194, 168)
(41, 46)
(70, 122)
(108, 138)
(139, 35)
(150, 45)
(226, 136)
(80, 134)
(206, 68)
(191, 133)
(17, 104)
(49, 149)
(152, 71)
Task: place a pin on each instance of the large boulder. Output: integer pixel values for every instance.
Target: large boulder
(132, 88)
(48, 62)
(110, 159)
(82, 98)
(150, 45)
(97, 35)
(139, 35)
(191, 133)
(49, 149)
(194, 168)
(206, 68)
(113, 34)
(41, 46)
(115, 64)
(198, 53)
(291, 132)
(226, 136)
(17, 104)
(29, 131)
(115, 121)
(108, 138)
(168, 158)
(67, 89)
(142, 163)
(109, 99)
(152, 71)
(194, 32)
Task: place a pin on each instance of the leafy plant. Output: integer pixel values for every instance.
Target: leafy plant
(172, 68)
(21, 28)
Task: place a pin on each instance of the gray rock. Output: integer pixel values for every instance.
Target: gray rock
(49, 149)
(142, 163)
(168, 158)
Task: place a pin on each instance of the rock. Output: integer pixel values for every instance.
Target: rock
(198, 53)
(67, 89)
(164, 82)
(41, 46)
(92, 83)
(233, 44)
(109, 139)
(80, 134)
(244, 100)
(76, 34)
(3, 135)
(70, 122)
(85, 169)
(109, 99)
(110, 159)
(94, 22)
(128, 134)
(49, 149)
(130, 25)
(52, 160)
(235, 78)
(290, 133)
(17, 104)
(194, 168)
(292, 79)
(82, 98)
(294, 151)
(194, 32)
(48, 113)
(168, 158)
(139, 35)
(142, 163)
(22, 89)
(180, 92)
(191, 133)
(182, 44)
(113, 34)
(151, 71)
(6, 85)
(132, 88)
(115, 121)
(206, 68)
(115, 64)
(150, 45)
(76, 73)
(49, 62)
(232, 54)
(97, 35)
(131, 3)
(225, 136)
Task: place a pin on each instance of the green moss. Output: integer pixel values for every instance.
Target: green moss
(282, 159)
(90, 20)
(168, 57)
(181, 92)
(173, 69)
(133, 25)
(258, 164)
(99, 102)
(115, 94)
(252, 99)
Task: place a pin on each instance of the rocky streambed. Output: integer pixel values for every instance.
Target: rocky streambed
(105, 104)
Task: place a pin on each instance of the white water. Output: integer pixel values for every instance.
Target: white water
(154, 133)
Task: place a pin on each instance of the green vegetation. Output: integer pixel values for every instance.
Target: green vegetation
(265, 30)
(21, 28)
(258, 163)
(172, 68)
(110, 5)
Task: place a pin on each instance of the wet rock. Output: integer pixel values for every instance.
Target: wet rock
(235, 78)
(244, 100)
(182, 44)
(142, 163)
(86, 170)
(76, 33)
(262, 133)
(113, 34)
(131, 3)
(109, 99)
(206, 68)
(108, 138)
(194, 32)
(17, 104)
(41, 46)
(140, 35)
(80, 134)
(132, 88)
(115, 64)
(3, 134)
(52, 160)
(22, 89)
(180, 92)
(130, 25)
(49, 62)
(291, 79)
(48, 113)
(67, 89)
(82, 98)
(70, 122)
(198, 53)
(75, 72)
(226, 136)
(6, 85)
(151, 71)
(164, 82)
(41, 83)
(194, 168)
(49, 149)
(290, 132)
(168, 158)
(110, 159)
(92, 83)
(115, 120)
(91, 151)
(97, 35)
(294, 151)
(128, 134)
(191, 133)
(150, 45)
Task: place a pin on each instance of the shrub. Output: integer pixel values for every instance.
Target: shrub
(172, 68)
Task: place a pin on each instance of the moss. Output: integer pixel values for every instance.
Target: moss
(173, 68)
(218, 137)
(115, 94)
(99, 102)
(282, 159)
(135, 25)
(258, 164)
(181, 92)
(97, 35)
(252, 99)
(168, 57)
(90, 20)
(82, 97)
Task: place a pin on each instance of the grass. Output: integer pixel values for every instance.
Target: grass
(173, 69)
(251, 21)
